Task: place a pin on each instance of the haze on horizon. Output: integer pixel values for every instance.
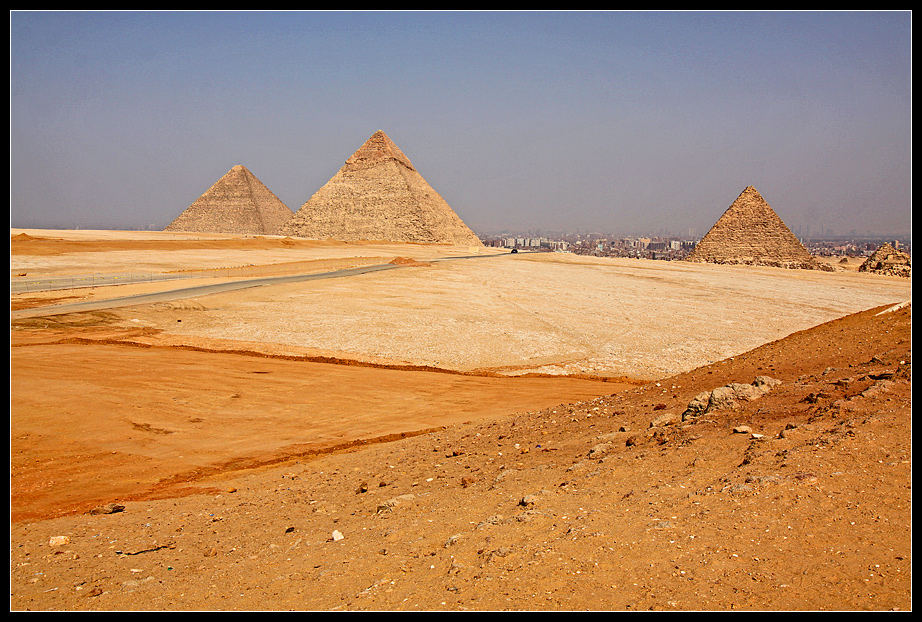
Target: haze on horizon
(625, 122)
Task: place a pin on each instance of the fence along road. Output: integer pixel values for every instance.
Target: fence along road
(22, 285)
(193, 292)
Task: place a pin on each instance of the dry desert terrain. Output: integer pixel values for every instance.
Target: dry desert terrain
(266, 423)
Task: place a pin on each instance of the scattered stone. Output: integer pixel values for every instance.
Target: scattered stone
(109, 508)
(505, 473)
(763, 479)
(452, 540)
(528, 500)
(766, 382)
(336, 536)
(394, 502)
(576, 466)
(526, 516)
(493, 520)
(728, 397)
(664, 419)
(599, 450)
(882, 386)
(59, 541)
(698, 405)
(742, 429)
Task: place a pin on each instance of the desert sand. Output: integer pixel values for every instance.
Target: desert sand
(466, 430)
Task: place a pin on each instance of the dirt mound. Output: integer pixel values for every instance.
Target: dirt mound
(405, 261)
(797, 500)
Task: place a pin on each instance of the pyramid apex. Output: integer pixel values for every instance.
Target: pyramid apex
(750, 190)
(378, 147)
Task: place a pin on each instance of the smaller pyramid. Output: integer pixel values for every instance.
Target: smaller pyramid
(889, 261)
(751, 233)
(236, 203)
(379, 195)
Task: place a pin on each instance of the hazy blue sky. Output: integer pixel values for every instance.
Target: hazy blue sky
(625, 122)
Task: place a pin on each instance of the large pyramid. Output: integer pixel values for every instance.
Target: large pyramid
(750, 232)
(236, 203)
(379, 195)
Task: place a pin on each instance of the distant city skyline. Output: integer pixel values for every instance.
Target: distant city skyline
(619, 122)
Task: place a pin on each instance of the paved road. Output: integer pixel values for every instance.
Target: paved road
(188, 292)
(204, 290)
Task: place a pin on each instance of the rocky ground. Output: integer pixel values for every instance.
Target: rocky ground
(796, 496)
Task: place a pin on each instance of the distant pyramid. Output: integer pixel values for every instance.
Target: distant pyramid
(750, 232)
(379, 195)
(887, 260)
(236, 203)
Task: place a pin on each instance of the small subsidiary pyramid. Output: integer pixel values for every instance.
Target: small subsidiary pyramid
(236, 203)
(379, 195)
(750, 232)
(889, 261)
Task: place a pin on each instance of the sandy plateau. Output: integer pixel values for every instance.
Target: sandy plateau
(449, 428)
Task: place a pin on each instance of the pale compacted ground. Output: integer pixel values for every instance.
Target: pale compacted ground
(545, 312)
(245, 432)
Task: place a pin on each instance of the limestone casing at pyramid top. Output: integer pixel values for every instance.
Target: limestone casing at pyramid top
(377, 148)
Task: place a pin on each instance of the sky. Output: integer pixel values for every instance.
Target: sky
(632, 123)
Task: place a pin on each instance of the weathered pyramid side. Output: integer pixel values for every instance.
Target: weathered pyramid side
(379, 195)
(889, 261)
(236, 203)
(750, 232)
